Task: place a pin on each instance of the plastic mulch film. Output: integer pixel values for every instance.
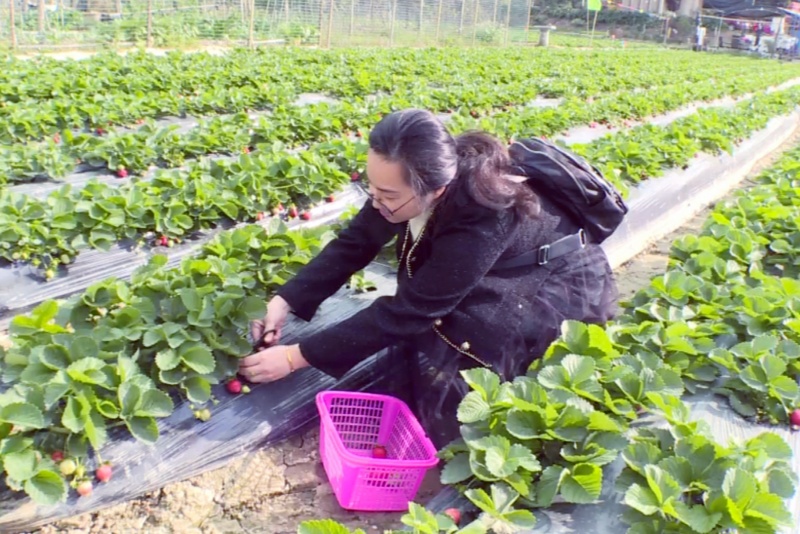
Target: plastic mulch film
(239, 424)
(604, 516)
(661, 205)
(21, 289)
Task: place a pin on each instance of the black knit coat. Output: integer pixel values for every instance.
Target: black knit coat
(447, 292)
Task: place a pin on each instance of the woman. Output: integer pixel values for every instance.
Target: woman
(458, 214)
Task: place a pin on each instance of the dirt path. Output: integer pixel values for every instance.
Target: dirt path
(272, 491)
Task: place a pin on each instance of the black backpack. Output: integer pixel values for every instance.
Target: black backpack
(574, 185)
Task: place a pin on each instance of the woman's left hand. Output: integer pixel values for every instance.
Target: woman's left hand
(272, 363)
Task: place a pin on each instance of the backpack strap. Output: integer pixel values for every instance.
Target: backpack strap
(545, 253)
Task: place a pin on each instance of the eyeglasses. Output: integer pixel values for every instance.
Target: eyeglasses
(362, 185)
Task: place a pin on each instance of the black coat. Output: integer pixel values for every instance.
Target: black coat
(445, 286)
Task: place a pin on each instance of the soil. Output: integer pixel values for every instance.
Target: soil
(272, 491)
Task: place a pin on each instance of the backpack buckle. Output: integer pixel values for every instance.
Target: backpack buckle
(544, 254)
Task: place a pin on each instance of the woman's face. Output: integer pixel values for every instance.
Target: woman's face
(390, 193)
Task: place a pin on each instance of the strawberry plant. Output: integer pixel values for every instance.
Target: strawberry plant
(118, 355)
(176, 203)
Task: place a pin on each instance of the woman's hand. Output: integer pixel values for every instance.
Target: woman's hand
(272, 364)
(268, 331)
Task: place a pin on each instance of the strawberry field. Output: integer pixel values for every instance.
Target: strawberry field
(150, 205)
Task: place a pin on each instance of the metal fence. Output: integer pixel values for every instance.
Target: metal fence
(56, 24)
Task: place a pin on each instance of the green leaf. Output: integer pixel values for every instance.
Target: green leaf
(88, 371)
(46, 488)
(579, 368)
(144, 429)
(525, 425)
(770, 508)
(576, 335)
(482, 380)
(72, 418)
(548, 485)
(191, 299)
(22, 415)
(199, 358)
(601, 421)
(324, 526)
(642, 499)
(95, 429)
(420, 519)
(55, 357)
(583, 484)
(740, 486)
(638, 455)
(83, 347)
(129, 395)
(155, 403)
(20, 465)
(473, 408)
(697, 517)
(198, 390)
(772, 444)
(781, 484)
(456, 470)
(167, 359)
(661, 484)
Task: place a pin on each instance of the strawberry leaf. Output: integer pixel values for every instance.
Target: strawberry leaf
(46, 488)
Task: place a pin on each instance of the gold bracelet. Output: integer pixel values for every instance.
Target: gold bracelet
(289, 359)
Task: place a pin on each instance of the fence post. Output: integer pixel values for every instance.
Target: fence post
(394, 16)
(528, 19)
(494, 16)
(421, 16)
(13, 25)
(251, 41)
(330, 26)
(352, 17)
(149, 23)
(475, 21)
(321, 20)
(508, 23)
(439, 20)
(461, 22)
(40, 26)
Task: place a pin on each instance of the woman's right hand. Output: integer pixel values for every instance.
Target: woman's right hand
(267, 332)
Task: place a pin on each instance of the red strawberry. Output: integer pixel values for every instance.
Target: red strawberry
(379, 451)
(454, 514)
(234, 386)
(293, 212)
(164, 241)
(794, 417)
(354, 177)
(100, 131)
(260, 216)
(246, 150)
(57, 138)
(306, 216)
(330, 198)
(592, 124)
(280, 207)
(57, 456)
(103, 473)
(122, 173)
(85, 488)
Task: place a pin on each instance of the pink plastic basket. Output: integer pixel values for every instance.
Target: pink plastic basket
(351, 424)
